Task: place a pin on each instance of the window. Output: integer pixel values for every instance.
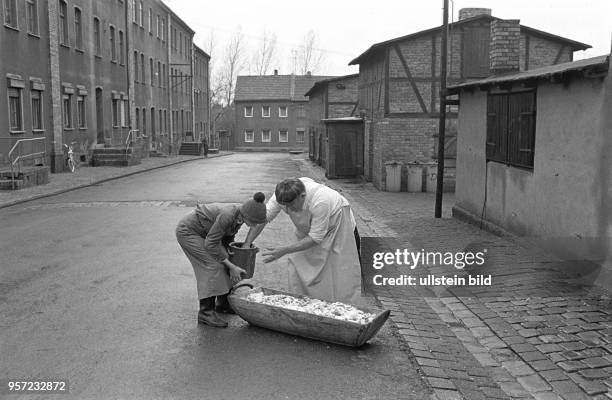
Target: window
(163, 29)
(140, 14)
(15, 110)
(67, 110)
(123, 115)
(138, 121)
(159, 75)
(299, 136)
(63, 23)
(283, 136)
(112, 44)
(180, 43)
(97, 37)
(37, 112)
(150, 21)
(511, 128)
(164, 75)
(265, 111)
(143, 78)
(151, 71)
(249, 136)
(266, 135)
(78, 29)
(157, 27)
(144, 121)
(248, 111)
(282, 111)
(135, 13)
(10, 13)
(81, 116)
(32, 16)
(136, 72)
(301, 113)
(115, 111)
(121, 50)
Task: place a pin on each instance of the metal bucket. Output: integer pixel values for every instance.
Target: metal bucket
(244, 258)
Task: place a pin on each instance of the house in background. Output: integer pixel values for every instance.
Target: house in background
(399, 83)
(271, 112)
(534, 146)
(87, 73)
(335, 134)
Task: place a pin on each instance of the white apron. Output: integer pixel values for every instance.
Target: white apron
(330, 270)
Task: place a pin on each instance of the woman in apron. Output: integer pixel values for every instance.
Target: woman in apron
(204, 235)
(323, 261)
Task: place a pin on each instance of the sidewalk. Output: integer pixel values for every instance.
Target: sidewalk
(538, 331)
(86, 176)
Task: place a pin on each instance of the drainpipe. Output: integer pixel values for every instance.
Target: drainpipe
(57, 151)
(192, 100)
(442, 123)
(129, 64)
(170, 87)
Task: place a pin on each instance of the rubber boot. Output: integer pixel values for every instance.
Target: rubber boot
(223, 305)
(207, 314)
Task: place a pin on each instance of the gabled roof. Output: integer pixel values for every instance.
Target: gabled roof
(596, 65)
(320, 84)
(378, 46)
(274, 87)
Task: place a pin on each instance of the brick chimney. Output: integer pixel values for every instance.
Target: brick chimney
(275, 72)
(505, 46)
(473, 12)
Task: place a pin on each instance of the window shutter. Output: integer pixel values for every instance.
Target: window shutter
(476, 42)
(521, 140)
(496, 125)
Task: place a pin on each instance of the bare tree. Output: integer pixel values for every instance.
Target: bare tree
(233, 63)
(308, 58)
(264, 55)
(215, 78)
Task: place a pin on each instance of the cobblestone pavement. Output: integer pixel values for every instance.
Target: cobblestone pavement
(541, 329)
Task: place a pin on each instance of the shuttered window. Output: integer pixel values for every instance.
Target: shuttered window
(511, 128)
(476, 41)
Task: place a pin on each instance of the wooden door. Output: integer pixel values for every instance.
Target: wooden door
(345, 150)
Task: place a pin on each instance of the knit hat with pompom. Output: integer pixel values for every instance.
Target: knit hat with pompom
(254, 209)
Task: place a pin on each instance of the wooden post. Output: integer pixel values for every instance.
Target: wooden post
(442, 124)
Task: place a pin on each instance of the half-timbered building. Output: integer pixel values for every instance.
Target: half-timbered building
(399, 84)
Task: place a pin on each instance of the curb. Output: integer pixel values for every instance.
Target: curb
(84, 185)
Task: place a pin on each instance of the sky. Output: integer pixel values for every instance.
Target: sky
(345, 29)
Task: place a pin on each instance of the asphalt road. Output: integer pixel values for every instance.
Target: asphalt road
(95, 289)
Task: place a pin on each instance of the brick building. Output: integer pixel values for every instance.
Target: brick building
(87, 72)
(399, 83)
(329, 100)
(271, 112)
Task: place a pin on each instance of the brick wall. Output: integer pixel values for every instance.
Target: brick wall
(505, 45)
(544, 52)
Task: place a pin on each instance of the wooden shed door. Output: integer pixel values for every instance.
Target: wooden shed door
(345, 150)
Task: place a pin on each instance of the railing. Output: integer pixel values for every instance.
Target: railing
(128, 141)
(18, 154)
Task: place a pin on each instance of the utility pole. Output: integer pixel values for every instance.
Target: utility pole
(442, 123)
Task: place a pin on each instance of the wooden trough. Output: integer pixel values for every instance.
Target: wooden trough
(300, 323)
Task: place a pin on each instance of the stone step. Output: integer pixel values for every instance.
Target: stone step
(114, 162)
(11, 184)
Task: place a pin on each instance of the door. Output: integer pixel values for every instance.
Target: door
(346, 145)
(99, 116)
